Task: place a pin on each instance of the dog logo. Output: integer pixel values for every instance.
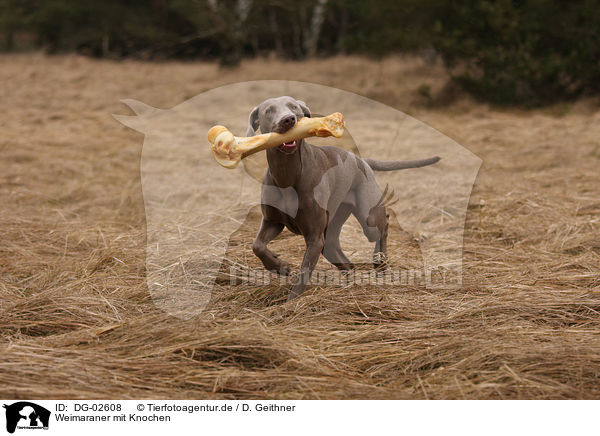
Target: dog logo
(26, 415)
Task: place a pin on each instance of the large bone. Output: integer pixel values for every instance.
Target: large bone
(229, 150)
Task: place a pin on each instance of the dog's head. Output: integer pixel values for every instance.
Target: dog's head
(278, 115)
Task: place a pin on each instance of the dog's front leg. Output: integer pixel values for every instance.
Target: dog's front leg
(267, 232)
(314, 247)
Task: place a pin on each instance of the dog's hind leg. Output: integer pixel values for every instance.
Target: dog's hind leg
(267, 232)
(332, 249)
(373, 218)
(380, 252)
(375, 227)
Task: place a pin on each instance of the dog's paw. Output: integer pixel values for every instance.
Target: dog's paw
(380, 261)
(284, 269)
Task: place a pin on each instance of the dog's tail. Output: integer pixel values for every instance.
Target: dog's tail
(382, 165)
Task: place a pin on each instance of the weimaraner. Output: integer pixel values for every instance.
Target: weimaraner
(313, 190)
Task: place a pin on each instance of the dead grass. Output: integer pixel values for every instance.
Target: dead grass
(76, 319)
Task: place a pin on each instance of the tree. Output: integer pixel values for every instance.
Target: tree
(312, 35)
(231, 23)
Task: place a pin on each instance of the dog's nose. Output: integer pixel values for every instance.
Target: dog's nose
(286, 123)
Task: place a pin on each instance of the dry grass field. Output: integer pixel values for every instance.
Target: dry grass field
(77, 320)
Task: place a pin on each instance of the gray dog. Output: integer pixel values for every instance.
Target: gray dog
(313, 190)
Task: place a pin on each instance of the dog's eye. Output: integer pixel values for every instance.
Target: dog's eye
(270, 109)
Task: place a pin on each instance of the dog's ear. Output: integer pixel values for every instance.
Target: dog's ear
(304, 108)
(252, 122)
